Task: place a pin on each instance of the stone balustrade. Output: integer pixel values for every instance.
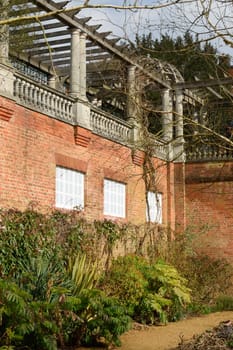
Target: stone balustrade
(160, 149)
(210, 152)
(42, 98)
(106, 125)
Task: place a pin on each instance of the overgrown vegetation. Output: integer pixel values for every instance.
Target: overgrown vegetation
(47, 294)
(151, 292)
(53, 295)
(208, 278)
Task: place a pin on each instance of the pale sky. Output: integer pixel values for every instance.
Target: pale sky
(173, 20)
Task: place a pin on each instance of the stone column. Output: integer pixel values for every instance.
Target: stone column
(133, 105)
(167, 103)
(82, 66)
(52, 82)
(179, 154)
(75, 64)
(6, 71)
(4, 33)
(179, 115)
(131, 91)
(81, 108)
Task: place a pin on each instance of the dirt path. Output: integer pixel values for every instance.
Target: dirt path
(167, 337)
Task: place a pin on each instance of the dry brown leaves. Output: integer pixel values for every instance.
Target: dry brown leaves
(219, 338)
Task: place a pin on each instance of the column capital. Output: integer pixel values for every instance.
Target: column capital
(75, 31)
(83, 35)
(131, 68)
(167, 103)
(179, 90)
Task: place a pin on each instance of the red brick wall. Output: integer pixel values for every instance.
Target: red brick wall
(179, 197)
(209, 200)
(31, 146)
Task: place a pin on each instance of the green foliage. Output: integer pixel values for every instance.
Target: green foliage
(102, 317)
(125, 281)
(14, 313)
(24, 235)
(83, 273)
(194, 59)
(149, 291)
(46, 297)
(188, 54)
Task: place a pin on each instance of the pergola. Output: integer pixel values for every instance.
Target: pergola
(54, 37)
(75, 57)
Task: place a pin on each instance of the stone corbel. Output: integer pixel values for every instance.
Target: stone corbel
(82, 136)
(138, 157)
(6, 113)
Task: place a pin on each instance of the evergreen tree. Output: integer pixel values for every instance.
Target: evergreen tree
(191, 57)
(195, 60)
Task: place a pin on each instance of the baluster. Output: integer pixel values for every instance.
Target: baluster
(98, 124)
(224, 153)
(59, 103)
(21, 90)
(42, 99)
(31, 94)
(56, 104)
(62, 108)
(65, 109)
(39, 101)
(16, 87)
(36, 96)
(53, 105)
(49, 101)
(70, 110)
(56, 107)
(46, 100)
(27, 93)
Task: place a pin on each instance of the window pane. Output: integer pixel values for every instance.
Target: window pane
(69, 188)
(114, 198)
(154, 207)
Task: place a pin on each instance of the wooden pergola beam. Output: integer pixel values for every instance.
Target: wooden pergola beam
(204, 83)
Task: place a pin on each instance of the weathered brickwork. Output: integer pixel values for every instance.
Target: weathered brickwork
(33, 144)
(209, 206)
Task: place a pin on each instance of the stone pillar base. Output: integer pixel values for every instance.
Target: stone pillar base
(82, 115)
(178, 151)
(6, 81)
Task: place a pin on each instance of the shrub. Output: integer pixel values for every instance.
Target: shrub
(207, 277)
(125, 281)
(46, 299)
(149, 291)
(102, 319)
(14, 313)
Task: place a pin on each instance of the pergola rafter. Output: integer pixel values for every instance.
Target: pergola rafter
(49, 48)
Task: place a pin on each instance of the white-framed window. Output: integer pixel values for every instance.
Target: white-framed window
(114, 198)
(154, 207)
(69, 188)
